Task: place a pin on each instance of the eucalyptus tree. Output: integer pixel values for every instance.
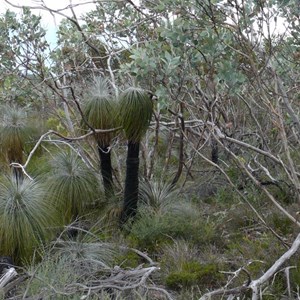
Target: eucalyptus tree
(100, 111)
(136, 108)
(24, 51)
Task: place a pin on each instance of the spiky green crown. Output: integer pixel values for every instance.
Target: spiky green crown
(100, 110)
(71, 184)
(136, 109)
(15, 131)
(25, 216)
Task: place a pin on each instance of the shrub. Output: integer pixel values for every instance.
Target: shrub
(194, 273)
(151, 230)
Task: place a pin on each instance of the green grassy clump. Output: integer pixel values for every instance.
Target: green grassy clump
(151, 231)
(282, 224)
(129, 259)
(193, 273)
(27, 219)
(264, 248)
(295, 272)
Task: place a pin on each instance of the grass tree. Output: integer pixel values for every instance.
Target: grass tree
(72, 184)
(26, 217)
(100, 109)
(135, 113)
(15, 133)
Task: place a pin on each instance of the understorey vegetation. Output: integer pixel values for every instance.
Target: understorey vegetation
(151, 151)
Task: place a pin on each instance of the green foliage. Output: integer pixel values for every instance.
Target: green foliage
(179, 252)
(135, 112)
(51, 272)
(263, 247)
(282, 224)
(51, 276)
(22, 38)
(194, 273)
(185, 265)
(66, 262)
(26, 217)
(225, 196)
(85, 248)
(152, 230)
(157, 196)
(295, 273)
(15, 132)
(72, 184)
(129, 259)
(100, 110)
(200, 63)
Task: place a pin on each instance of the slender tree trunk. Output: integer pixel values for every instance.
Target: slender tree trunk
(131, 182)
(106, 170)
(181, 151)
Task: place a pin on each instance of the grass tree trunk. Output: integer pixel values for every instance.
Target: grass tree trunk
(214, 151)
(100, 110)
(106, 170)
(131, 182)
(136, 108)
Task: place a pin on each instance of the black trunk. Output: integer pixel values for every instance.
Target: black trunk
(106, 170)
(214, 151)
(131, 182)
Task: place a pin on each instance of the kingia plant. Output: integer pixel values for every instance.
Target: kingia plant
(71, 184)
(15, 132)
(135, 114)
(26, 217)
(100, 111)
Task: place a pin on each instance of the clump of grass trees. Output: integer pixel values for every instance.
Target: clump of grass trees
(69, 184)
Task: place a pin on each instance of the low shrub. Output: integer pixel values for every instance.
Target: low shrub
(153, 230)
(194, 273)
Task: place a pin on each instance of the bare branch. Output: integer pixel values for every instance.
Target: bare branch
(70, 139)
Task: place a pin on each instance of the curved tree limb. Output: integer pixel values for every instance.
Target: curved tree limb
(42, 138)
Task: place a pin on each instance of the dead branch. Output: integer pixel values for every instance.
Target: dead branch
(7, 276)
(70, 139)
(257, 284)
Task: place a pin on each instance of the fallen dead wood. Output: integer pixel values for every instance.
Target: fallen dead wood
(121, 280)
(256, 285)
(7, 276)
